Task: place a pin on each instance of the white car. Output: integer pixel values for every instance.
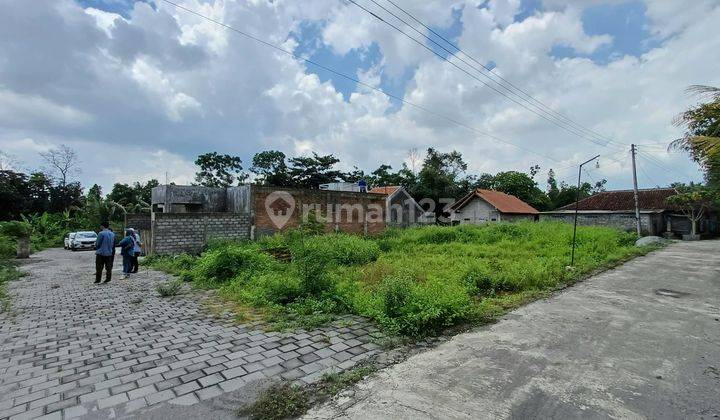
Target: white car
(80, 240)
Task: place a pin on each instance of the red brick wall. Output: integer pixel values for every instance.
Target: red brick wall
(372, 207)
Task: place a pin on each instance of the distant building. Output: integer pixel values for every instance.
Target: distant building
(185, 217)
(401, 208)
(344, 186)
(483, 206)
(617, 209)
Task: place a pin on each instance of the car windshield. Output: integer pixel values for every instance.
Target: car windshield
(86, 235)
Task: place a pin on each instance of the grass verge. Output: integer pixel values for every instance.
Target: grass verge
(8, 273)
(287, 400)
(413, 282)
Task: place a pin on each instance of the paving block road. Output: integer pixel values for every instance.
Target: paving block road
(70, 348)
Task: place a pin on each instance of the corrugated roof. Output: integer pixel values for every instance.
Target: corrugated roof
(505, 203)
(650, 199)
(384, 190)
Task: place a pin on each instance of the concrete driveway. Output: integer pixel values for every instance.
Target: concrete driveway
(615, 346)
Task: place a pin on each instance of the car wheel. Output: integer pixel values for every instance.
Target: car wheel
(73, 249)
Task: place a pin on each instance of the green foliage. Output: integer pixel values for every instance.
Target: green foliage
(222, 264)
(702, 136)
(415, 281)
(311, 225)
(8, 247)
(175, 264)
(8, 273)
(218, 170)
(169, 288)
(15, 229)
(281, 401)
(338, 249)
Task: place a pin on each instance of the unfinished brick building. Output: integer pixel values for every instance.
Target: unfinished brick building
(184, 218)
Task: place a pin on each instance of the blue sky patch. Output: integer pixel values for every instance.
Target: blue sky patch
(121, 7)
(626, 22)
(310, 46)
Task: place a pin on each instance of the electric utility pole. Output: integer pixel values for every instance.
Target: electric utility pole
(635, 191)
(577, 201)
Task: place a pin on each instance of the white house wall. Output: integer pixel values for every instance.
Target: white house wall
(477, 211)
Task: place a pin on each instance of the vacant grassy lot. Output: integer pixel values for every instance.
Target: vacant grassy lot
(414, 282)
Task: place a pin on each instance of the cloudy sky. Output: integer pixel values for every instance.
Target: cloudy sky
(140, 88)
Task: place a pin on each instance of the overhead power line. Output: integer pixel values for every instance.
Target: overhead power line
(353, 79)
(528, 105)
(651, 159)
(489, 70)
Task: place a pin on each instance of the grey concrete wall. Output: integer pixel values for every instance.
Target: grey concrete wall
(239, 199)
(509, 217)
(189, 198)
(175, 233)
(624, 221)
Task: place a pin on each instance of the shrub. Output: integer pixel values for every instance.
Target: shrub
(169, 288)
(396, 291)
(338, 249)
(7, 247)
(281, 401)
(273, 287)
(176, 264)
(220, 265)
(432, 307)
(16, 229)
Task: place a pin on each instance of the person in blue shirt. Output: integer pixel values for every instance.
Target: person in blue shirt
(104, 252)
(127, 250)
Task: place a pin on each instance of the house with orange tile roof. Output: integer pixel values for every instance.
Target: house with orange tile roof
(483, 206)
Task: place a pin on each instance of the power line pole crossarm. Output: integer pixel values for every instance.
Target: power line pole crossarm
(635, 191)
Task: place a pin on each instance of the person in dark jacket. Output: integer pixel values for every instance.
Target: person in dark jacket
(104, 253)
(127, 250)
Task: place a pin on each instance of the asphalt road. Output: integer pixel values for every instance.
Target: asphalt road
(614, 346)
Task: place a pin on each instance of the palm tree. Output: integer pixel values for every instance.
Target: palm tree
(103, 209)
(702, 138)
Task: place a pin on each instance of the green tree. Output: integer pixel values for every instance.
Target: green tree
(702, 136)
(39, 187)
(693, 201)
(65, 197)
(94, 192)
(441, 179)
(522, 186)
(218, 170)
(122, 194)
(311, 171)
(270, 168)
(13, 194)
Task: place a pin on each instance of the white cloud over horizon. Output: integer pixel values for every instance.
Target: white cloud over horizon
(141, 95)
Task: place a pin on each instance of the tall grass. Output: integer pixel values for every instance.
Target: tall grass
(415, 281)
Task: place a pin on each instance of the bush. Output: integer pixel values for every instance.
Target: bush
(169, 288)
(269, 288)
(16, 229)
(418, 309)
(223, 264)
(338, 249)
(281, 401)
(7, 247)
(176, 264)
(396, 292)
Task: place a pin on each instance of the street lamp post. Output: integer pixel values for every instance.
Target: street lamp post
(577, 200)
